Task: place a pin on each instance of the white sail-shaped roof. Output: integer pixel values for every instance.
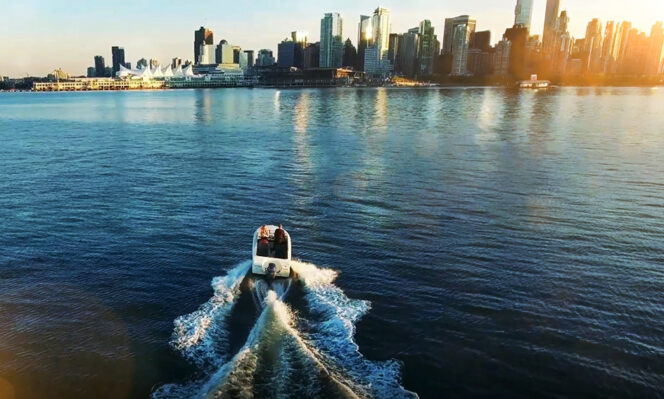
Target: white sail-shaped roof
(156, 72)
(189, 71)
(167, 72)
(125, 72)
(145, 73)
(177, 73)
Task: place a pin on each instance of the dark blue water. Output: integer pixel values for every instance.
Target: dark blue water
(493, 243)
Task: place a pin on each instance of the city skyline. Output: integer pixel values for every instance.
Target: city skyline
(59, 43)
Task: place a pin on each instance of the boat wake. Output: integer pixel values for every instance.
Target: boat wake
(289, 352)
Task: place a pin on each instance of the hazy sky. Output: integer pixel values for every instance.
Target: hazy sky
(37, 36)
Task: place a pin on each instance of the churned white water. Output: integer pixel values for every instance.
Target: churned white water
(285, 355)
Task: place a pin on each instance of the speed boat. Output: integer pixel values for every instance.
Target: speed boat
(266, 262)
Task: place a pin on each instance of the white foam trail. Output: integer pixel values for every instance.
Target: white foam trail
(333, 335)
(201, 336)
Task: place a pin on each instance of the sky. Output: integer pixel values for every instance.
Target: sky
(38, 36)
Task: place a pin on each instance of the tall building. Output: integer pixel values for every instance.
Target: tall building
(176, 63)
(518, 38)
(562, 44)
(550, 23)
(331, 42)
(350, 54)
(501, 58)
(450, 26)
(429, 47)
(142, 63)
(481, 40)
(154, 63)
(456, 41)
(118, 54)
(593, 46)
(223, 54)
(290, 54)
(408, 54)
(523, 13)
(91, 72)
(655, 59)
(364, 32)
(301, 37)
(393, 49)
(312, 55)
(376, 60)
(265, 58)
(100, 66)
(201, 37)
(250, 58)
(611, 47)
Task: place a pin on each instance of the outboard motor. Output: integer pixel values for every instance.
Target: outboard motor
(271, 271)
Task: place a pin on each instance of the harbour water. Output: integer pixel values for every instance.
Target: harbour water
(474, 242)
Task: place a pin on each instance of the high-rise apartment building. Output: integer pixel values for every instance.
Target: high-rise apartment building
(265, 58)
(408, 54)
(364, 32)
(331, 42)
(118, 56)
(655, 59)
(202, 36)
(592, 46)
(301, 37)
(428, 50)
(611, 47)
(100, 66)
(523, 13)
(550, 23)
(456, 41)
(376, 60)
(250, 58)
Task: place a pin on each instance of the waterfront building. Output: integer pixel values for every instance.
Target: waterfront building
(393, 49)
(408, 54)
(428, 50)
(550, 24)
(154, 63)
(118, 57)
(91, 72)
(481, 40)
(364, 39)
(202, 36)
(518, 37)
(289, 54)
(376, 60)
(265, 58)
(450, 26)
(249, 55)
(224, 53)
(175, 63)
(563, 43)
(350, 55)
(592, 46)
(523, 13)
(100, 66)
(479, 62)
(311, 56)
(655, 59)
(57, 75)
(207, 55)
(142, 63)
(611, 47)
(301, 37)
(331, 42)
(458, 32)
(501, 58)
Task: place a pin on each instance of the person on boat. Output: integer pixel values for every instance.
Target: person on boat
(263, 247)
(280, 243)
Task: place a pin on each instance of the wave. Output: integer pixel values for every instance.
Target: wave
(287, 354)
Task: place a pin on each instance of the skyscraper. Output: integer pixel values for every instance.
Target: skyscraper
(300, 36)
(655, 58)
(408, 54)
(456, 41)
(350, 54)
(250, 58)
(611, 47)
(450, 25)
(363, 40)
(593, 45)
(550, 22)
(331, 42)
(523, 13)
(376, 60)
(118, 54)
(201, 37)
(142, 63)
(100, 66)
(429, 48)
